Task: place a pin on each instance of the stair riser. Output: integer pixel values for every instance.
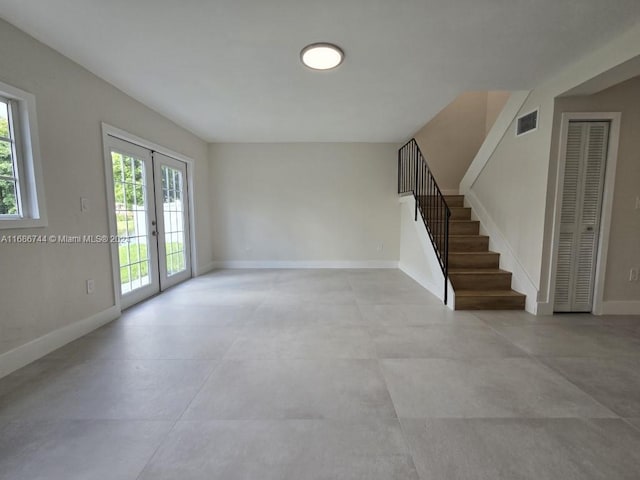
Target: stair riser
(486, 281)
(474, 261)
(454, 200)
(490, 303)
(459, 213)
(476, 244)
(464, 228)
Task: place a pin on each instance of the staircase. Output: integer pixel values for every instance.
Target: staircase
(463, 254)
(477, 280)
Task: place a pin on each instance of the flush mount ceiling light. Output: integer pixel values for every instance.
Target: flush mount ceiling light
(321, 56)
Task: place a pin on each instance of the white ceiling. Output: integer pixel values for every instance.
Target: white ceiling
(229, 70)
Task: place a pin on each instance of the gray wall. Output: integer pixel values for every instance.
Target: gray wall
(624, 239)
(304, 202)
(451, 139)
(42, 287)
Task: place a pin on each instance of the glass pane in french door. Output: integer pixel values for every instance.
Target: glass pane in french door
(173, 197)
(129, 180)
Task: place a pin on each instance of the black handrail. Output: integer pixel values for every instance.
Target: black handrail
(414, 176)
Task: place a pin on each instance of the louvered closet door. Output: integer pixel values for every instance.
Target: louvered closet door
(586, 155)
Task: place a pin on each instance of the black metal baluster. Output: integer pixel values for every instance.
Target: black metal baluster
(446, 256)
(415, 176)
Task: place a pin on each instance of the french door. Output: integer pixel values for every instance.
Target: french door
(150, 204)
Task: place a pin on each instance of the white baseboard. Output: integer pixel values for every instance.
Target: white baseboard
(260, 264)
(613, 307)
(508, 260)
(631, 307)
(544, 308)
(205, 269)
(35, 349)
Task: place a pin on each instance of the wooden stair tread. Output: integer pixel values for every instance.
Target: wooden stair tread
(488, 252)
(478, 282)
(488, 293)
(476, 271)
(462, 236)
(457, 220)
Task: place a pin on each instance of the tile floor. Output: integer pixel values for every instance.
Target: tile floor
(327, 374)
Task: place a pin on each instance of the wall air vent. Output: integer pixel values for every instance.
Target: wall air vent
(527, 123)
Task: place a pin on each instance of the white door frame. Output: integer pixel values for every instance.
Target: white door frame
(111, 131)
(607, 202)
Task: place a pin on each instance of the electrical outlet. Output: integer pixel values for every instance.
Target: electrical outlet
(380, 247)
(633, 275)
(84, 204)
(637, 203)
(91, 287)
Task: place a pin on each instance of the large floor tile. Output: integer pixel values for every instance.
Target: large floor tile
(213, 297)
(320, 297)
(393, 294)
(524, 449)
(40, 371)
(378, 275)
(283, 450)
(613, 381)
(245, 278)
(311, 281)
(511, 318)
(407, 315)
(169, 342)
(155, 313)
(301, 374)
(109, 389)
(297, 389)
(503, 387)
(310, 342)
(572, 341)
(274, 316)
(390, 288)
(78, 449)
(441, 341)
(629, 323)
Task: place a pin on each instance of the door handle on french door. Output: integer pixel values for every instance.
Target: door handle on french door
(153, 223)
(154, 233)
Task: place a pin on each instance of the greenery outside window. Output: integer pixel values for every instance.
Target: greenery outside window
(9, 179)
(21, 191)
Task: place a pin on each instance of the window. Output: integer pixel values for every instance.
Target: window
(21, 192)
(9, 180)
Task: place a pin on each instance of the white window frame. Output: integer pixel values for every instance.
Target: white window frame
(30, 192)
